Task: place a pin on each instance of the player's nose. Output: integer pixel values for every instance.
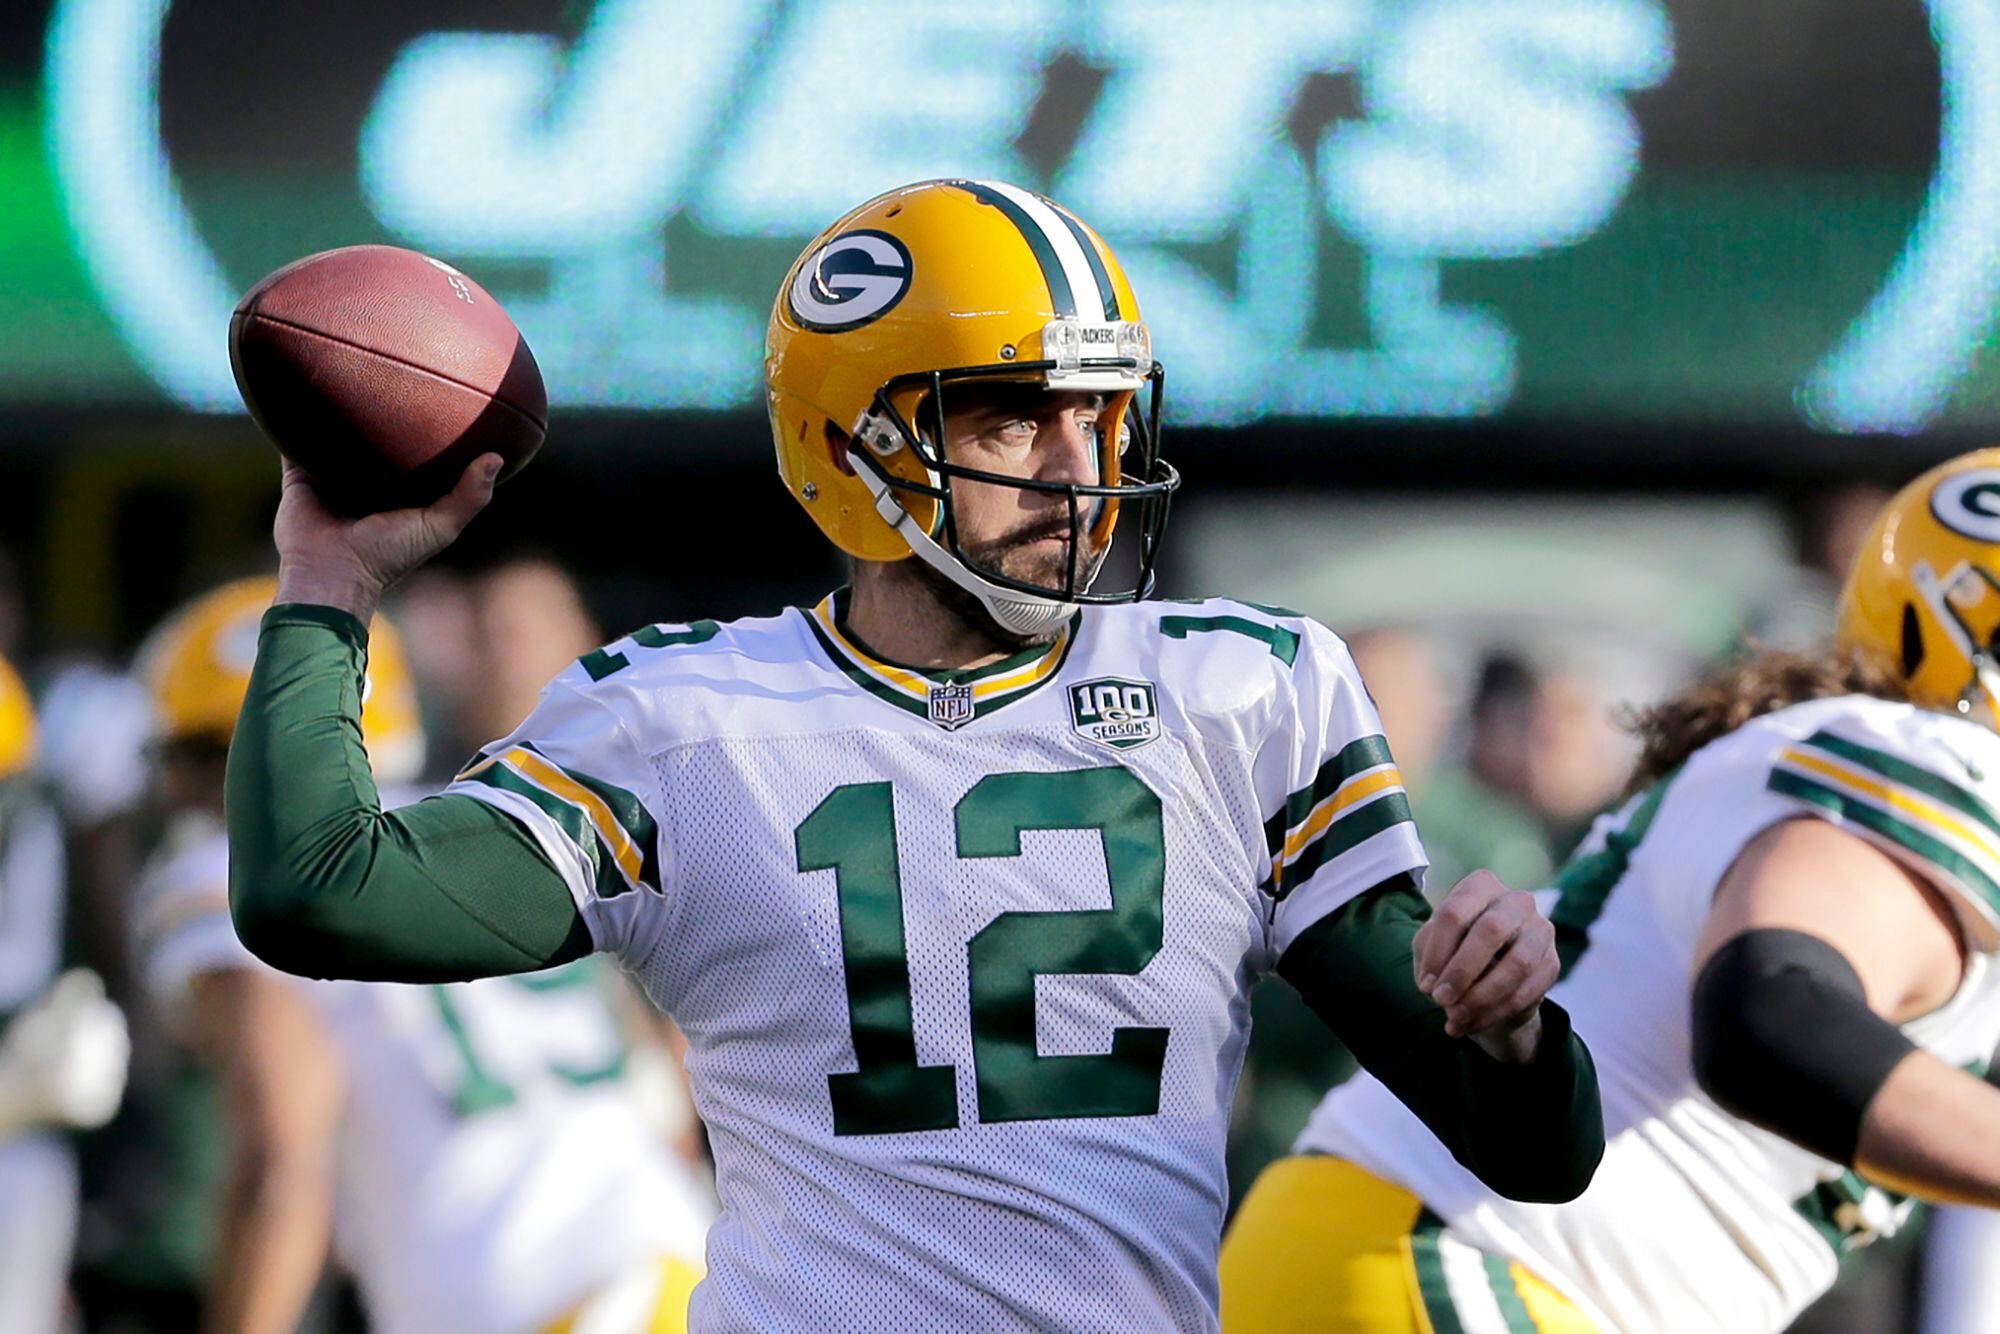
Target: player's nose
(1067, 445)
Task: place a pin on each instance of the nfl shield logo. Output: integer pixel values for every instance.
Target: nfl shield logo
(951, 705)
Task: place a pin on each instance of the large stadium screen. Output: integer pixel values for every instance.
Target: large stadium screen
(1689, 211)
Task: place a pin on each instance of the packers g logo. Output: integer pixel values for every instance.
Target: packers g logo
(1969, 504)
(852, 280)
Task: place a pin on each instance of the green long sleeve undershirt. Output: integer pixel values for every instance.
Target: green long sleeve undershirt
(1532, 1131)
(324, 883)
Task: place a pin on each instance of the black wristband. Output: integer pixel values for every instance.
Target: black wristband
(1783, 1037)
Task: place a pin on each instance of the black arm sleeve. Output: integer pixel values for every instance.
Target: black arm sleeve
(1531, 1132)
(324, 883)
(1783, 1037)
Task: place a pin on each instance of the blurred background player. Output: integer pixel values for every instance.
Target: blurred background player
(63, 1046)
(474, 1152)
(483, 642)
(1781, 949)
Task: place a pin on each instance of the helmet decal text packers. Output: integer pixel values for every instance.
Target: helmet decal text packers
(1969, 503)
(850, 281)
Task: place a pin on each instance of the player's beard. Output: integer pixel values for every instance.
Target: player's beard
(1010, 555)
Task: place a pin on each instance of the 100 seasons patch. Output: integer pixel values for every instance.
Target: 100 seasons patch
(1114, 712)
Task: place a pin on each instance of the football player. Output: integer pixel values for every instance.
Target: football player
(958, 880)
(473, 1151)
(1781, 949)
(63, 1046)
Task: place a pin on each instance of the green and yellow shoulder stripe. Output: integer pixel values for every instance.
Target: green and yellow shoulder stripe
(608, 825)
(1912, 808)
(1355, 795)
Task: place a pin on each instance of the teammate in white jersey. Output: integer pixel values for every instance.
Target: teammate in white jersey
(1782, 952)
(473, 1154)
(63, 1046)
(958, 881)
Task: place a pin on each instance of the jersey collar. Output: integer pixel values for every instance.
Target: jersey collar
(949, 698)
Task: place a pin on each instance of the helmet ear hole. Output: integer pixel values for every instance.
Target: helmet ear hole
(837, 444)
(1913, 641)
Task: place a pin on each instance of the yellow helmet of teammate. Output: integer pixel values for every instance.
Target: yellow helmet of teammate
(197, 666)
(17, 723)
(1924, 593)
(935, 285)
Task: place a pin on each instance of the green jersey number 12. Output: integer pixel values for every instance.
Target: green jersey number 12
(853, 834)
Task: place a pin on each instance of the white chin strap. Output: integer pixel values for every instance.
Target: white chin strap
(1017, 613)
(1984, 692)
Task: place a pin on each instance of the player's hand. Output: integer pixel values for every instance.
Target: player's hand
(1487, 956)
(349, 563)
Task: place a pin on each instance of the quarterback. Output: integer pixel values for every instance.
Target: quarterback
(958, 881)
(1782, 951)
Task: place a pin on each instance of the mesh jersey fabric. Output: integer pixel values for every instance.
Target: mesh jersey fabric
(804, 852)
(1696, 1220)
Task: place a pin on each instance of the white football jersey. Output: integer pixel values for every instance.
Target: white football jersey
(964, 958)
(492, 1169)
(1697, 1220)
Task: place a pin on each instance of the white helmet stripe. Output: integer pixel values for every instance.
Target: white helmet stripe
(1076, 265)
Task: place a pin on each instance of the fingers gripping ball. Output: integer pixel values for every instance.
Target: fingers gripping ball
(382, 373)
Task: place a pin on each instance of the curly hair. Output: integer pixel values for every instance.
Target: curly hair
(1730, 696)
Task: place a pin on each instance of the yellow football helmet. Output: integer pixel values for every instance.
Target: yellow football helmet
(1924, 593)
(937, 284)
(197, 666)
(17, 723)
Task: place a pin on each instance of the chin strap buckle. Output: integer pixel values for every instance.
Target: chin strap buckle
(879, 434)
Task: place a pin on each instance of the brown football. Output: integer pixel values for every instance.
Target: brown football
(382, 373)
